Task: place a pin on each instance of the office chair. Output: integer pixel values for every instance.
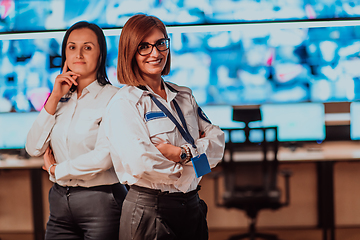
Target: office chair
(251, 185)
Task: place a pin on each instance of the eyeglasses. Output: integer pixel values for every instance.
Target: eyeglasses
(146, 48)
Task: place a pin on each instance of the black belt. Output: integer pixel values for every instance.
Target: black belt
(153, 197)
(68, 189)
(166, 193)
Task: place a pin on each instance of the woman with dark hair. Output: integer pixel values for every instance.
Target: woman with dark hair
(86, 198)
(161, 143)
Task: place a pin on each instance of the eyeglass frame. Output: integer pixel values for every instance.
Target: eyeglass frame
(154, 45)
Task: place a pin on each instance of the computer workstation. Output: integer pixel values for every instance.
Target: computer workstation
(297, 123)
(302, 137)
(13, 132)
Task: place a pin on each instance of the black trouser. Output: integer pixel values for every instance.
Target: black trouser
(85, 213)
(151, 214)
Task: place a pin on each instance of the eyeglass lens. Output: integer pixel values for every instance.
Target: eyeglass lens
(146, 48)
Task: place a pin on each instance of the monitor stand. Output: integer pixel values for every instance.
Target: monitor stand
(20, 153)
(23, 154)
(293, 145)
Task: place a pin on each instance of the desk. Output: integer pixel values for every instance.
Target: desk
(325, 155)
(34, 165)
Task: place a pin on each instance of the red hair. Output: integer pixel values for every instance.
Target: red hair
(133, 32)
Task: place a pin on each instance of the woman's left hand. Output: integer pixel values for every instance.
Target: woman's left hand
(49, 159)
(169, 151)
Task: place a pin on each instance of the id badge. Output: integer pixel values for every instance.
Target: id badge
(201, 165)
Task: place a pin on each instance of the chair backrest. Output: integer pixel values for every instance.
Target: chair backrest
(251, 179)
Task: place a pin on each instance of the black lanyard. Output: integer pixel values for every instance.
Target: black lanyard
(183, 130)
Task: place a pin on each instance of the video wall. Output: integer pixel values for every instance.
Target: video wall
(28, 68)
(256, 65)
(39, 15)
(228, 52)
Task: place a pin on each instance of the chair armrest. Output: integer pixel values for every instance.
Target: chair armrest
(286, 174)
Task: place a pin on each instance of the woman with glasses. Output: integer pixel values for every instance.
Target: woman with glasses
(156, 130)
(86, 198)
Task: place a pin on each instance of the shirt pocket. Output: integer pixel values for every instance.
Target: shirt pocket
(160, 126)
(160, 130)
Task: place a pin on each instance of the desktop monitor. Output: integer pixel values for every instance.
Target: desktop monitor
(295, 121)
(222, 115)
(14, 128)
(355, 121)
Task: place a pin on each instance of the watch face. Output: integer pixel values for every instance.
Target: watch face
(183, 155)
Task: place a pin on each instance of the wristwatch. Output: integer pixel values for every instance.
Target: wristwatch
(183, 155)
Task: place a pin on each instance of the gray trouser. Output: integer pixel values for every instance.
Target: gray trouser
(153, 215)
(79, 213)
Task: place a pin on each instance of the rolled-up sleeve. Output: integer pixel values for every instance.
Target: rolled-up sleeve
(38, 137)
(133, 154)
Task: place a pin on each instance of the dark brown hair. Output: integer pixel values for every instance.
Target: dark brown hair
(101, 75)
(133, 32)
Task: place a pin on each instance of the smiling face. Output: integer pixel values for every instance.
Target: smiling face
(152, 65)
(83, 52)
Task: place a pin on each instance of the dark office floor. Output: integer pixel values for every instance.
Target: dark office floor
(283, 234)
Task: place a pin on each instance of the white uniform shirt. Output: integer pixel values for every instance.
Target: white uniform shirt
(83, 157)
(134, 126)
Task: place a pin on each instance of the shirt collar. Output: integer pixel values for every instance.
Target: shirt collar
(93, 89)
(170, 91)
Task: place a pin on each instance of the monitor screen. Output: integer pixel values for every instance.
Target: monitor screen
(14, 128)
(295, 121)
(38, 15)
(355, 121)
(265, 64)
(241, 66)
(222, 115)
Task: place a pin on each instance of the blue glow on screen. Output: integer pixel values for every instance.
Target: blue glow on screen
(14, 129)
(355, 121)
(295, 121)
(268, 65)
(222, 116)
(37, 15)
(257, 64)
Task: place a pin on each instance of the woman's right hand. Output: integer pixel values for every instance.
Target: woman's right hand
(63, 82)
(62, 85)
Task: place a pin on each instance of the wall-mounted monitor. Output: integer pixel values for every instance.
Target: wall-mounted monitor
(222, 64)
(268, 63)
(228, 52)
(40, 15)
